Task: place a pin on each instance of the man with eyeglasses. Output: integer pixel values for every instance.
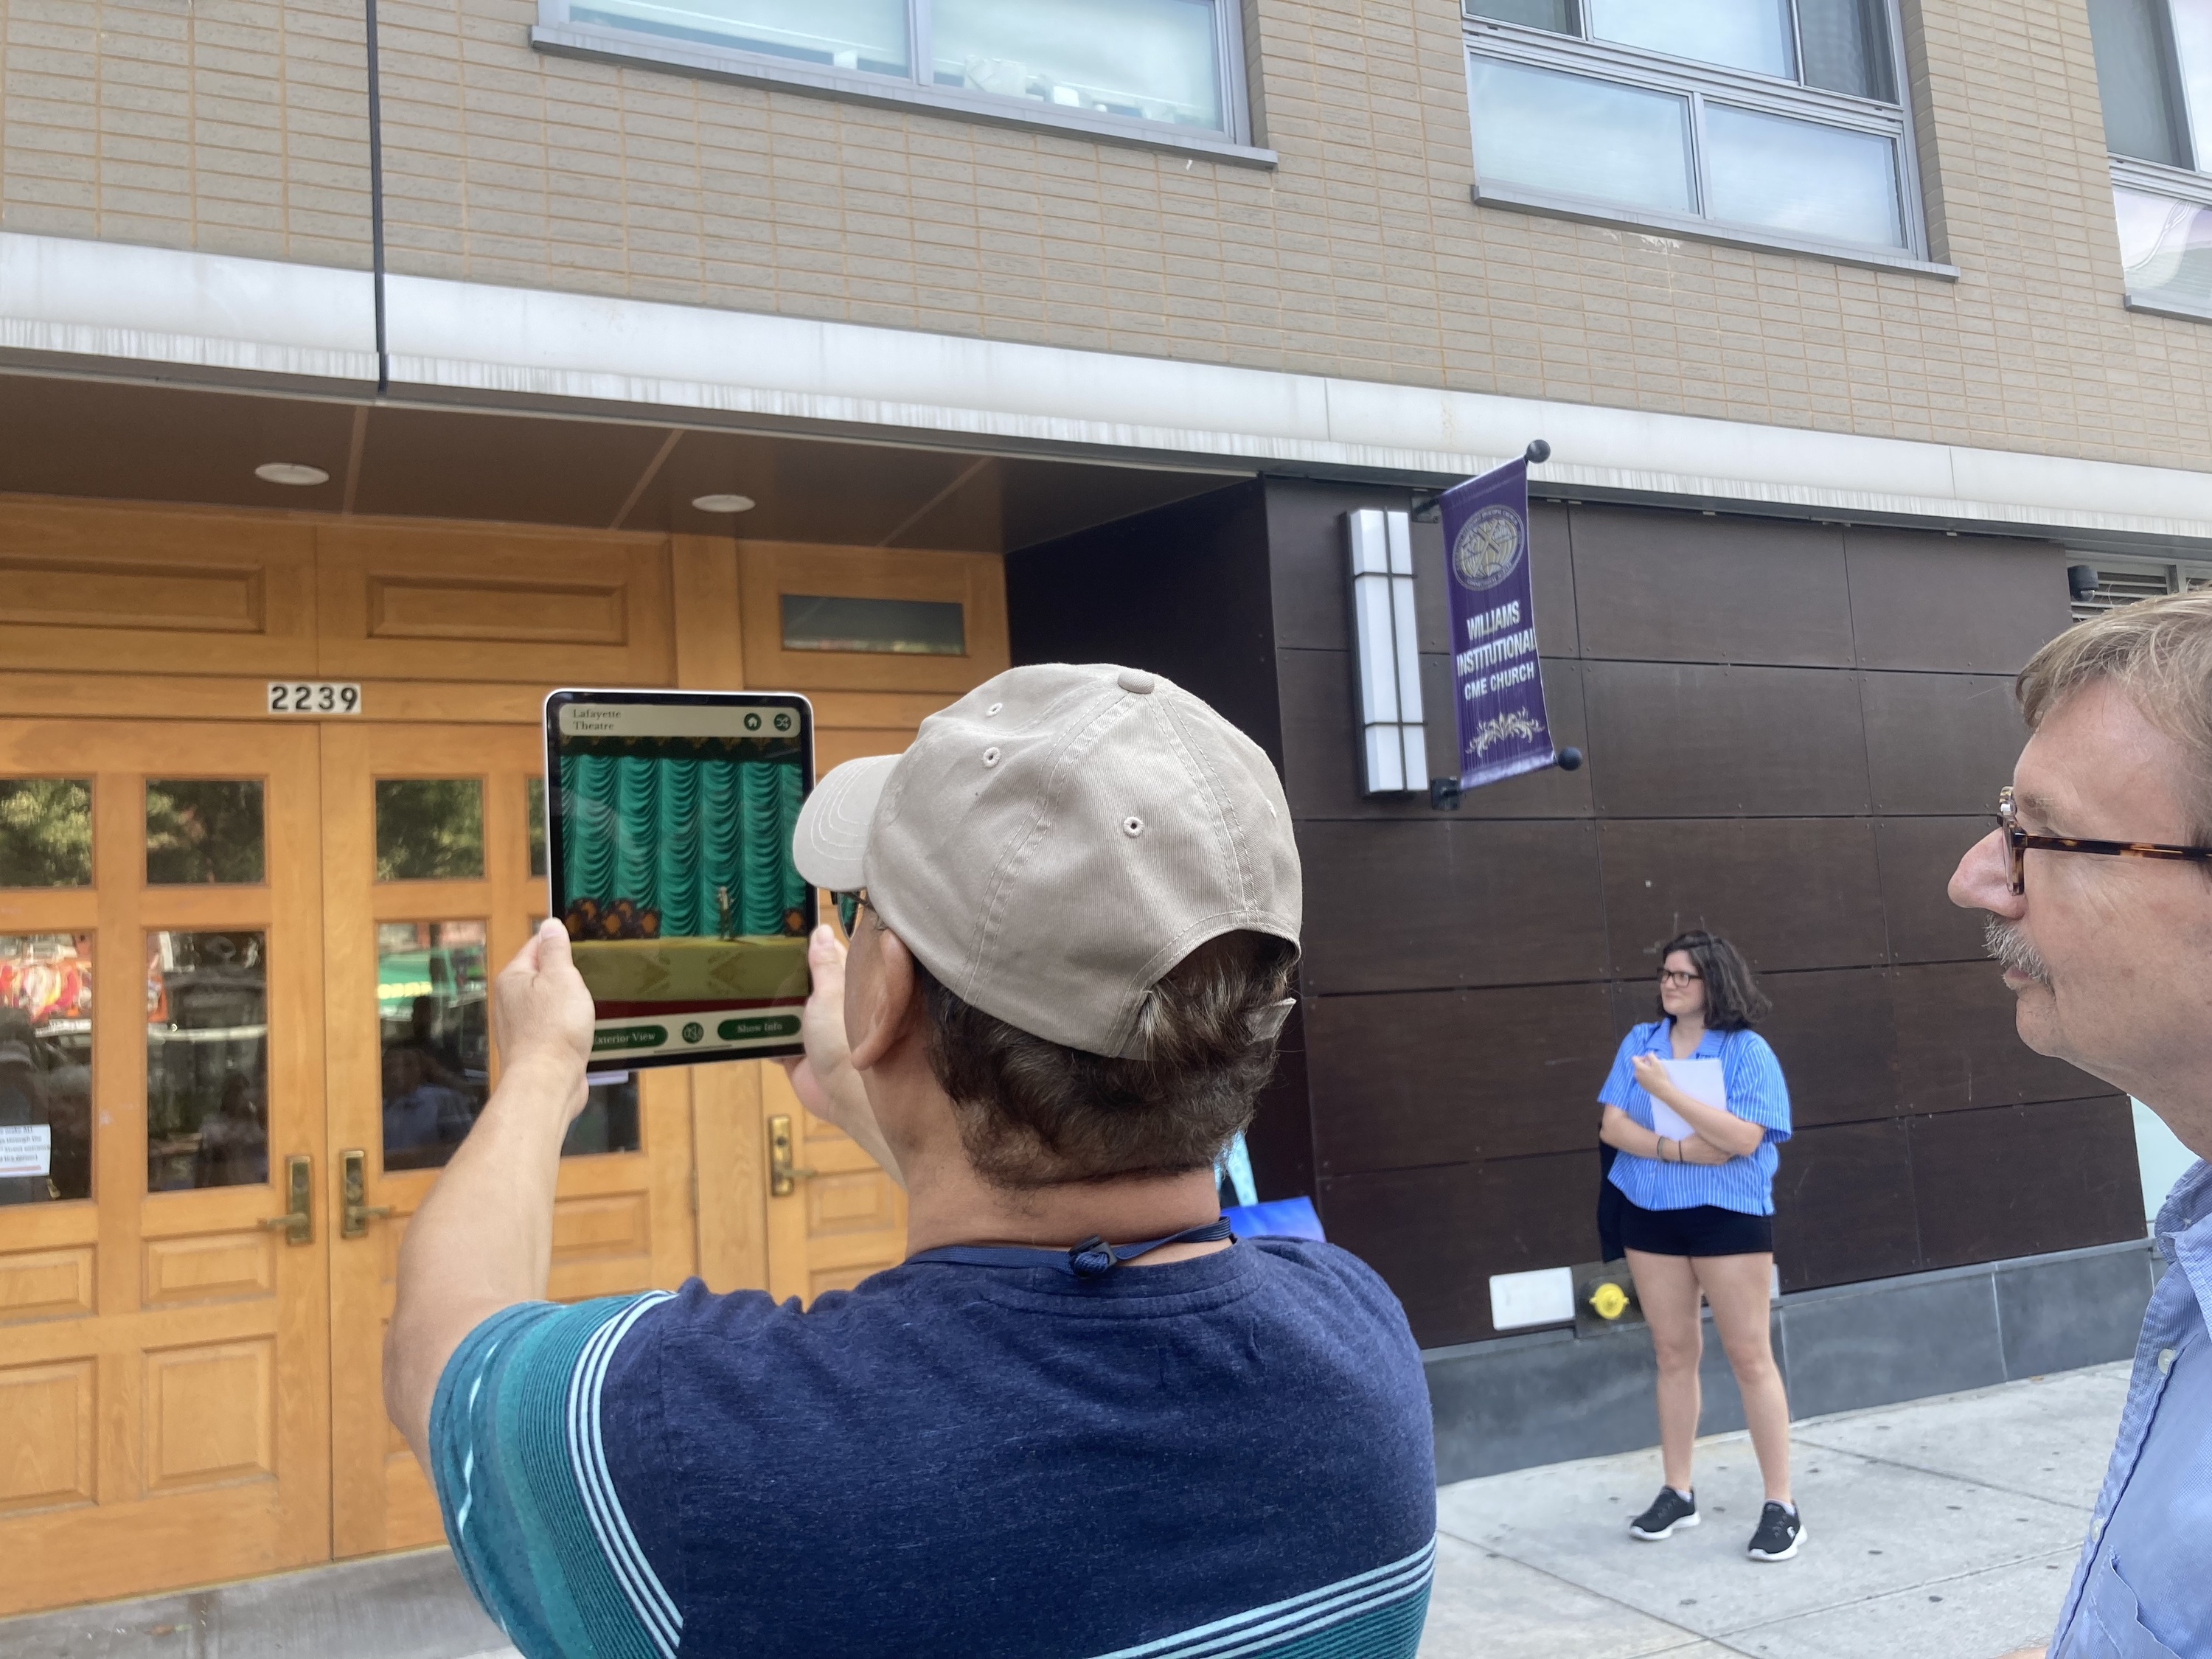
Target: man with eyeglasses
(2105, 933)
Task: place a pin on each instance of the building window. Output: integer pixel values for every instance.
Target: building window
(1771, 122)
(2155, 73)
(1166, 68)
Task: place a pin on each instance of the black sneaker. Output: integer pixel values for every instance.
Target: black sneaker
(1669, 1510)
(1780, 1532)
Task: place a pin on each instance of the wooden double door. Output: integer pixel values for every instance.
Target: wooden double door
(243, 970)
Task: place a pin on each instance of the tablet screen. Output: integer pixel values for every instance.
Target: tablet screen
(671, 816)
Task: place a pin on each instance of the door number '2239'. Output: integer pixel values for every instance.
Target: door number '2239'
(314, 698)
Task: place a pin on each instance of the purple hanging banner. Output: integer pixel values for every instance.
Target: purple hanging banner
(1497, 686)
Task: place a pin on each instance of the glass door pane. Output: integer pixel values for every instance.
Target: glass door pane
(204, 830)
(207, 1060)
(45, 832)
(434, 1037)
(45, 1067)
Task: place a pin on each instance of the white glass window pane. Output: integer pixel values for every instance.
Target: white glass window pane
(2135, 81)
(1557, 15)
(1753, 35)
(1802, 177)
(2192, 43)
(1551, 131)
(854, 34)
(1156, 60)
(2166, 249)
(1846, 47)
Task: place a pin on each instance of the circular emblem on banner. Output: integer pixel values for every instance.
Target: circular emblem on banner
(1489, 548)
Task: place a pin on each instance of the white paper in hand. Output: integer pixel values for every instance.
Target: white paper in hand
(1702, 1081)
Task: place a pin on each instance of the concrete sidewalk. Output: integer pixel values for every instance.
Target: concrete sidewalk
(1944, 1527)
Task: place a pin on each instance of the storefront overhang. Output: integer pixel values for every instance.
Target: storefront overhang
(135, 311)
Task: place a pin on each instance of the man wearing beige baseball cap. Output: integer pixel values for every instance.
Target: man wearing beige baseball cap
(1079, 1421)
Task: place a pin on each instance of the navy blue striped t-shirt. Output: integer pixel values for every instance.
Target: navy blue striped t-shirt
(1226, 1457)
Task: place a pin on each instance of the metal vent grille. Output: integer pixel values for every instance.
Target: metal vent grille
(2116, 588)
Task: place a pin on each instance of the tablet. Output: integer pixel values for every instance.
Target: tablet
(669, 817)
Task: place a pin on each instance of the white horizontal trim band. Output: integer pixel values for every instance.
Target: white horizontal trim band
(113, 305)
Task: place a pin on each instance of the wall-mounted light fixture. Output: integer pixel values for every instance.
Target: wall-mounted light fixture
(1386, 645)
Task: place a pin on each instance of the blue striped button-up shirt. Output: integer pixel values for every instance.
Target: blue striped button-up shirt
(2142, 1588)
(1756, 1092)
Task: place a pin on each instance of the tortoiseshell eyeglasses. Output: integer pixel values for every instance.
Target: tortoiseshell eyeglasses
(2018, 840)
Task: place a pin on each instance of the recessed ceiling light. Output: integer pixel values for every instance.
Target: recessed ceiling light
(723, 503)
(290, 472)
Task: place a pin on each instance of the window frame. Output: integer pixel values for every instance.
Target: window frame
(1698, 84)
(2190, 185)
(2182, 184)
(557, 34)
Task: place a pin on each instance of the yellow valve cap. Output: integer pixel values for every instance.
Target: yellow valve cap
(1608, 1301)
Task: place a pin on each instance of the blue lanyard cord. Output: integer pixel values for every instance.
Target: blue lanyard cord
(1088, 1260)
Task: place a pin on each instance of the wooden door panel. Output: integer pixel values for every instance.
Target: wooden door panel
(844, 1219)
(163, 1404)
(622, 1220)
(47, 1284)
(479, 603)
(153, 591)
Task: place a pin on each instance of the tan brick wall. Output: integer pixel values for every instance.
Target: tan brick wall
(238, 127)
(230, 125)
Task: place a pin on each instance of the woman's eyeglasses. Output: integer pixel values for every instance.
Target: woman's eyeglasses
(1676, 977)
(849, 906)
(2017, 842)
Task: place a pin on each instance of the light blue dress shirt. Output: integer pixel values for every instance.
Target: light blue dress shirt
(1755, 1091)
(2143, 1588)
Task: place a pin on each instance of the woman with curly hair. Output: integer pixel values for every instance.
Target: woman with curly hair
(1697, 1218)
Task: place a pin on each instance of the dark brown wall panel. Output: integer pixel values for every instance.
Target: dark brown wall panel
(1843, 1208)
(1280, 1140)
(1940, 743)
(1181, 590)
(1967, 605)
(1835, 1033)
(1917, 856)
(1432, 905)
(1444, 1077)
(2021, 1180)
(1669, 741)
(1312, 584)
(1682, 587)
(1320, 752)
(1437, 1234)
(1957, 1046)
(1787, 892)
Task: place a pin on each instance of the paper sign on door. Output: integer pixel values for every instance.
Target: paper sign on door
(1701, 1080)
(26, 1149)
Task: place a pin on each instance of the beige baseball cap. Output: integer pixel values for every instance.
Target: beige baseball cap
(1059, 839)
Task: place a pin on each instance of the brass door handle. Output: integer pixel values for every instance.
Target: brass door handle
(298, 1220)
(353, 1223)
(783, 1178)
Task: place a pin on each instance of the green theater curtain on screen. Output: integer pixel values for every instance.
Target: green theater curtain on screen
(664, 833)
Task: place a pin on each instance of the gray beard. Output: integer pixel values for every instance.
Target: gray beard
(2010, 948)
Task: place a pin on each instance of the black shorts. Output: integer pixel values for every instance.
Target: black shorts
(1702, 1230)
